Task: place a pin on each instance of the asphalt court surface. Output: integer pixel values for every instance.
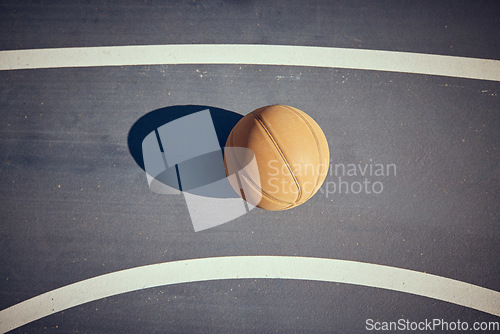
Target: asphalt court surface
(76, 205)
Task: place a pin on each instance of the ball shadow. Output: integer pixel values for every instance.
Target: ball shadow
(194, 173)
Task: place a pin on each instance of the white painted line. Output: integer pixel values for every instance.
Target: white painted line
(472, 68)
(251, 267)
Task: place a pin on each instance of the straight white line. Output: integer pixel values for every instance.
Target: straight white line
(250, 267)
(472, 68)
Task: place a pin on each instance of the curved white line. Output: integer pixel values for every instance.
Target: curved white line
(251, 267)
(472, 68)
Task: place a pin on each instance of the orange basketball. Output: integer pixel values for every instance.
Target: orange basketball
(289, 152)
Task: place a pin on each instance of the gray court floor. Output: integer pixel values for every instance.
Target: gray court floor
(75, 204)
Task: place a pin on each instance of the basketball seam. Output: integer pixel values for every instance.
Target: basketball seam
(282, 154)
(267, 196)
(259, 189)
(315, 139)
(244, 174)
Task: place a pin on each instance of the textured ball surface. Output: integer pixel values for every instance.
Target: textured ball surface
(291, 155)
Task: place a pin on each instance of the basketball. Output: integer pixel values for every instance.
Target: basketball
(288, 154)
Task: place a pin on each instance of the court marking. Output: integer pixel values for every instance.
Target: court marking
(252, 54)
(251, 267)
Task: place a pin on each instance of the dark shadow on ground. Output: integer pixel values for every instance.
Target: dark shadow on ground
(191, 174)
